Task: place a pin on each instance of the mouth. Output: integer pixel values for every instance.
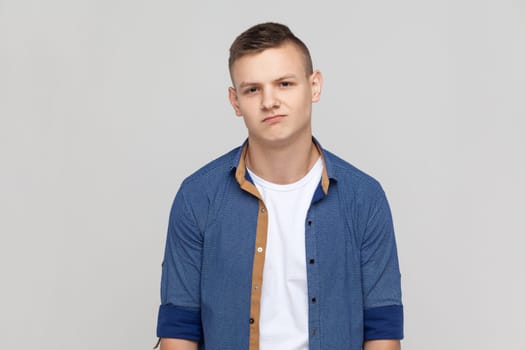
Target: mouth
(273, 118)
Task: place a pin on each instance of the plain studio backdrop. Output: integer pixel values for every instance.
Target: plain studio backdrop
(106, 106)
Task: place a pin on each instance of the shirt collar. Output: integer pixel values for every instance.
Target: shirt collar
(242, 177)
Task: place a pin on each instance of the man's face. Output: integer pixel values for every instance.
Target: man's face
(274, 95)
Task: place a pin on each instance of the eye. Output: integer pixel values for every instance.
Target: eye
(251, 90)
(286, 84)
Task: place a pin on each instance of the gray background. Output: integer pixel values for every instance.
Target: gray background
(106, 105)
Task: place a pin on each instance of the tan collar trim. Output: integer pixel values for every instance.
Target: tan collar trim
(240, 173)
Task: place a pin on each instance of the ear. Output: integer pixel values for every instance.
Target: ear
(316, 82)
(232, 95)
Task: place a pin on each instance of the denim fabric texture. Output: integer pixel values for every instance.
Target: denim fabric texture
(352, 266)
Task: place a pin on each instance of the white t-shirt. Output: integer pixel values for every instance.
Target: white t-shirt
(284, 301)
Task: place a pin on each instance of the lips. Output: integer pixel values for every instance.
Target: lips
(273, 118)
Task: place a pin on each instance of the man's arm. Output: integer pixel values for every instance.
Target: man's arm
(382, 345)
(383, 310)
(179, 313)
(177, 344)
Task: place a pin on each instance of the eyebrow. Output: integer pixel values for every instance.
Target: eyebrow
(284, 77)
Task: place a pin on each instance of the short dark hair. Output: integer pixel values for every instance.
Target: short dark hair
(265, 36)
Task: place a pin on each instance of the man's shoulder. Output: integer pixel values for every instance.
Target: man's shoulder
(215, 171)
(348, 174)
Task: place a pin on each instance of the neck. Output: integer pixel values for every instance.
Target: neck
(282, 164)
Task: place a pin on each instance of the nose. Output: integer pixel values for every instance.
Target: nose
(269, 99)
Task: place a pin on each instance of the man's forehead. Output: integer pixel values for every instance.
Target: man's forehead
(269, 64)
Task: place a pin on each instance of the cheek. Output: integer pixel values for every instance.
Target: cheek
(249, 105)
(303, 101)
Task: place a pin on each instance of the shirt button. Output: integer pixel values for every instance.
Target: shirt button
(314, 331)
(260, 249)
(252, 321)
(309, 222)
(263, 210)
(312, 261)
(314, 300)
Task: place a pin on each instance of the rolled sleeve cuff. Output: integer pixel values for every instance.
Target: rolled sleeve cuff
(179, 322)
(385, 322)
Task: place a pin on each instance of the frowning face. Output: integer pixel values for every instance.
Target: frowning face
(274, 95)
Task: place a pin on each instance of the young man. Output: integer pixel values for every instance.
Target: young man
(279, 244)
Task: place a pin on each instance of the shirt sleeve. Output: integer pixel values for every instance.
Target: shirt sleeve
(179, 312)
(383, 309)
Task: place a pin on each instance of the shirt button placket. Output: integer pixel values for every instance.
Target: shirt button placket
(313, 280)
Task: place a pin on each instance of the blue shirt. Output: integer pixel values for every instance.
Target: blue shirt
(212, 269)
